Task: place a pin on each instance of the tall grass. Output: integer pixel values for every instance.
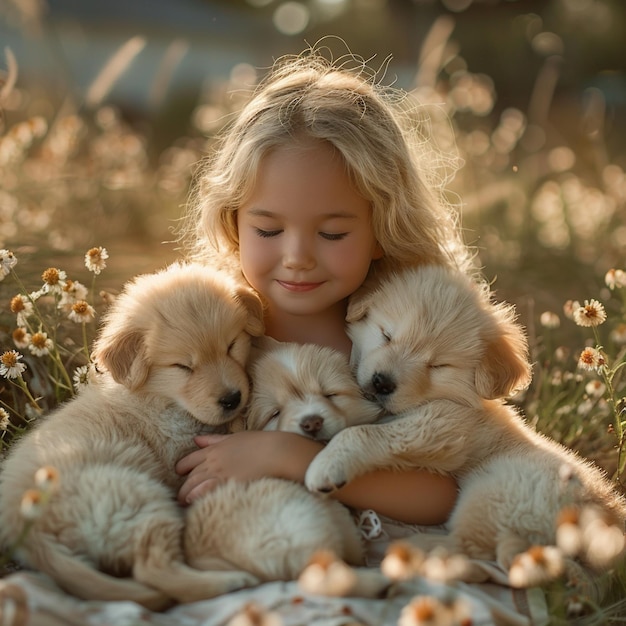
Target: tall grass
(545, 208)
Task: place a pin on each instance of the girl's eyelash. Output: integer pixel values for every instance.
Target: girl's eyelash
(333, 236)
(273, 233)
(267, 233)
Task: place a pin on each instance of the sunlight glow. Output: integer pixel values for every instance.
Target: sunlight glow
(291, 18)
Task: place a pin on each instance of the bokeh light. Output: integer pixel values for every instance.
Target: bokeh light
(291, 18)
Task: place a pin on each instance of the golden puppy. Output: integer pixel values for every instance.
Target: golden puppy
(174, 348)
(306, 389)
(278, 524)
(439, 356)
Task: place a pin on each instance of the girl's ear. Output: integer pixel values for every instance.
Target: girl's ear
(378, 252)
(123, 354)
(252, 303)
(504, 368)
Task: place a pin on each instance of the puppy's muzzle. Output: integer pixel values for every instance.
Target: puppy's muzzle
(230, 401)
(311, 425)
(383, 384)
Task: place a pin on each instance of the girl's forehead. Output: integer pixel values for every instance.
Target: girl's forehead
(312, 179)
(303, 145)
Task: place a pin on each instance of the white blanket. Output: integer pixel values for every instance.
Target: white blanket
(32, 599)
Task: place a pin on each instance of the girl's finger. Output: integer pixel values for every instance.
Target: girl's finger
(202, 441)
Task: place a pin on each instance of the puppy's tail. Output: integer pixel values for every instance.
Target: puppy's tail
(84, 581)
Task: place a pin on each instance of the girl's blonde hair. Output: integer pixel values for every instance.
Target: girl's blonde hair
(308, 97)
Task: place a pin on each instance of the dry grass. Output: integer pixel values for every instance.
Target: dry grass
(543, 199)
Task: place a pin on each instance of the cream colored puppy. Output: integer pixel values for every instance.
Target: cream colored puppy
(440, 356)
(173, 350)
(306, 389)
(271, 527)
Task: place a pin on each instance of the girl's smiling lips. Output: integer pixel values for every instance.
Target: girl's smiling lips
(297, 287)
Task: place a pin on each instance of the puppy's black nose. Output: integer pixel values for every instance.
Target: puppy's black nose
(312, 424)
(383, 384)
(230, 400)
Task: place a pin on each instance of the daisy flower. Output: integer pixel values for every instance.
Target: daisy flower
(82, 312)
(615, 278)
(549, 319)
(10, 366)
(253, 614)
(591, 313)
(426, 610)
(561, 354)
(569, 307)
(72, 292)
(22, 307)
(40, 344)
(53, 281)
(7, 262)
(47, 478)
(32, 504)
(591, 359)
(402, 561)
(603, 539)
(95, 259)
(569, 537)
(536, 566)
(21, 337)
(327, 575)
(444, 567)
(4, 419)
(595, 388)
(81, 377)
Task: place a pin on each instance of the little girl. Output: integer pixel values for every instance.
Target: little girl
(315, 193)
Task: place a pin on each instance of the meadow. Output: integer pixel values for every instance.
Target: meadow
(90, 197)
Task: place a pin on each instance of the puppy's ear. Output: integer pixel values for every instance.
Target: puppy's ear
(123, 354)
(504, 368)
(254, 306)
(357, 308)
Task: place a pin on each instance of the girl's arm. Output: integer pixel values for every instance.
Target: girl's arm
(413, 497)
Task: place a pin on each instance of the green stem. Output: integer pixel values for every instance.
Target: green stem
(24, 387)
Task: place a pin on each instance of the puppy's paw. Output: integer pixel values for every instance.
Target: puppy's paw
(325, 477)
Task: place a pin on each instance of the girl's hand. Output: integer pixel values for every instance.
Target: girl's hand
(243, 456)
(413, 496)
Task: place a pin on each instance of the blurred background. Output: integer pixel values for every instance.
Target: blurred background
(108, 106)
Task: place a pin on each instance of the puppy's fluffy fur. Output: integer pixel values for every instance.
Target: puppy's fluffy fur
(174, 347)
(440, 356)
(306, 389)
(303, 389)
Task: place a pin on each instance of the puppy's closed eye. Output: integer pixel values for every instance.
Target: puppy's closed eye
(182, 366)
(270, 420)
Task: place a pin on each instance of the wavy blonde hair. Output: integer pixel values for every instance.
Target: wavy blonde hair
(308, 97)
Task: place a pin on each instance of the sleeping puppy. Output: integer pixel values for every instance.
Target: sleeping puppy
(272, 527)
(173, 349)
(439, 356)
(306, 389)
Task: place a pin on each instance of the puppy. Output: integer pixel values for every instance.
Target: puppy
(173, 348)
(439, 356)
(272, 527)
(306, 389)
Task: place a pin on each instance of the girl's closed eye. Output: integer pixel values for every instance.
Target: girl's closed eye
(334, 236)
(267, 233)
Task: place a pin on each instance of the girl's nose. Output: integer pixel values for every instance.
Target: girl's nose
(298, 253)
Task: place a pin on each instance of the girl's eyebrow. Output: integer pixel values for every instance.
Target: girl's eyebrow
(333, 215)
